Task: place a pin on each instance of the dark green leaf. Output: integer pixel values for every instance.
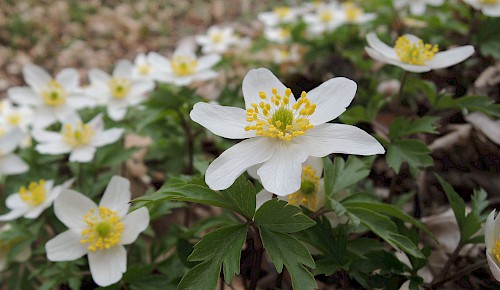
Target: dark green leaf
(456, 202)
(344, 174)
(279, 216)
(414, 152)
(242, 197)
(402, 126)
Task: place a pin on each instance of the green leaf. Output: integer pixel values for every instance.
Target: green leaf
(469, 103)
(390, 210)
(288, 251)
(279, 216)
(219, 248)
(344, 174)
(241, 195)
(414, 152)
(402, 126)
(385, 228)
(479, 202)
(456, 202)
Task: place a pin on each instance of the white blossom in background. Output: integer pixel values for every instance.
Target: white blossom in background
(143, 67)
(51, 98)
(10, 163)
(29, 202)
(326, 18)
(16, 117)
(412, 54)
(217, 39)
(278, 35)
(492, 240)
(21, 256)
(76, 138)
(417, 7)
(280, 15)
(290, 54)
(352, 13)
(119, 91)
(184, 67)
(282, 132)
(98, 231)
(488, 7)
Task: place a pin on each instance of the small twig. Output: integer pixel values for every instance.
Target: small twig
(319, 213)
(448, 264)
(257, 256)
(394, 186)
(458, 274)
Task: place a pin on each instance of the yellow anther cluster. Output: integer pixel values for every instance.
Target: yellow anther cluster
(284, 32)
(35, 194)
(496, 249)
(274, 117)
(103, 231)
(183, 65)
(13, 119)
(216, 37)
(144, 69)
(119, 87)
(352, 11)
(414, 53)
(307, 194)
(488, 2)
(80, 134)
(325, 16)
(54, 94)
(282, 12)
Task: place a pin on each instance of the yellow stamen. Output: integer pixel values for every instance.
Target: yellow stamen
(488, 2)
(80, 134)
(54, 94)
(416, 53)
(13, 119)
(326, 16)
(307, 194)
(183, 65)
(216, 37)
(35, 194)
(119, 87)
(352, 11)
(144, 69)
(282, 12)
(275, 118)
(104, 229)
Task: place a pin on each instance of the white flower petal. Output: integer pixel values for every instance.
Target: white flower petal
(82, 154)
(44, 117)
(9, 142)
(65, 247)
(70, 207)
(107, 137)
(493, 11)
(117, 195)
(14, 201)
(11, 164)
(79, 102)
(123, 69)
(142, 87)
(380, 46)
(224, 170)
(24, 96)
(35, 76)
(435, 2)
(13, 214)
(450, 57)
(107, 266)
(281, 174)
(134, 224)
(116, 112)
(35, 212)
(316, 164)
(489, 231)
(227, 122)
(207, 61)
(69, 79)
(43, 136)
(205, 75)
(261, 79)
(329, 138)
(417, 7)
(331, 98)
(262, 197)
(409, 67)
(496, 223)
(159, 62)
(99, 77)
(495, 270)
(53, 148)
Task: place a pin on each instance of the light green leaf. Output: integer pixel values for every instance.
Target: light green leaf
(288, 251)
(279, 216)
(202, 276)
(402, 126)
(344, 174)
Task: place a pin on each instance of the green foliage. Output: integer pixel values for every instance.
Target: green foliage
(414, 152)
(402, 126)
(342, 174)
(279, 216)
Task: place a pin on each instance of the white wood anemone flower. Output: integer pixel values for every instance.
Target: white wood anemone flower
(119, 91)
(76, 138)
(289, 54)
(282, 132)
(488, 7)
(143, 67)
(21, 256)
(51, 98)
(355, 14)
(326, 18)
(16, 117)
(10, 163)
(184, 67)
(30, 201)
(280, 15)
(417, 7)
(412, 54)
(217, 39)
(98, 231)
(492, 240)
(280, 35)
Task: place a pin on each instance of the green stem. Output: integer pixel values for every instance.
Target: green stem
(442, 274)
(257, 256)
(188, 132)
(458, 274)
(404, 77)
